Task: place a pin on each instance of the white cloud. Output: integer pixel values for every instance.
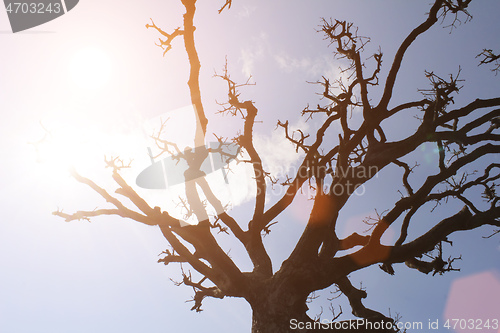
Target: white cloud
(315, 67)
(253, 52)
(289, 63)
(278, 154)
(240, 186)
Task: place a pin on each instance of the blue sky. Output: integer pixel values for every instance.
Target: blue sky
(94, 77)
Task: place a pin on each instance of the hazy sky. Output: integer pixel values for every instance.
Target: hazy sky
(97, 82)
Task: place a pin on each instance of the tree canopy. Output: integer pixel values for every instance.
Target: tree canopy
(359, 129)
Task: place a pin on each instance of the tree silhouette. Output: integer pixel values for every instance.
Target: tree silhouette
(333, 166)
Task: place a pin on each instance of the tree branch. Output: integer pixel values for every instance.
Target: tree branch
(398, 58)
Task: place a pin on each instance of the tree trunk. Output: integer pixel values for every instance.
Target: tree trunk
(267, 319)
(275, 305)
(281, 307)
(277, 319)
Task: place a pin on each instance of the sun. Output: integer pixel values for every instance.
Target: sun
(90, 68)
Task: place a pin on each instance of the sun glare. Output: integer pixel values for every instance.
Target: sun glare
(82, 144)
(71, 140)
(90, 68)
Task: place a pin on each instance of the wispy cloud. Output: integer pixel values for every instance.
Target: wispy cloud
(322, 65)
(278, 154)
(253, 52)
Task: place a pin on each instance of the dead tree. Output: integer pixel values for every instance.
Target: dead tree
(334, 166)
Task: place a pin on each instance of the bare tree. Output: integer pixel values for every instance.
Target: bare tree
(333, 166)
